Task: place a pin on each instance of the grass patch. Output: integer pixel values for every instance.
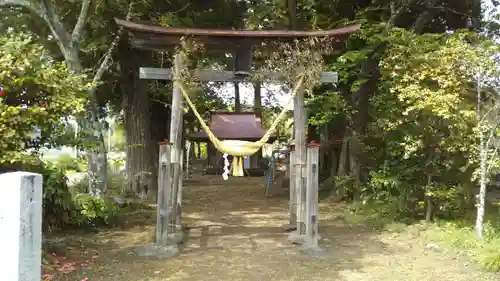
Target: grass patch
(355, 214)
(461, 236)
(458, 235)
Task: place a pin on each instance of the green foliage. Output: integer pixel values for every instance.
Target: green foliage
(39, 94)
(326, 108)
(63, 206)
(417, 129)
(381, 216)
(345, 185)
(461, 235)
(284, 129)
(115, 164)
(115, 180)
(491, 261)
(67, 163)
(424, 122)
(119, 138)
(96, 209)
(203, 150)
(58, 207)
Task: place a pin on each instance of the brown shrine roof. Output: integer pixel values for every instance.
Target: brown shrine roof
(159, 37)
(235, 126)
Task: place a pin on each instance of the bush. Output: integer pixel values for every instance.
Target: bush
(67, 162)
(96, 210)
(116, 181)
(343, 186)
(61, 207)
(58, 205)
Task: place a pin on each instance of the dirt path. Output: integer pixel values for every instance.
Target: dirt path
(237, 235)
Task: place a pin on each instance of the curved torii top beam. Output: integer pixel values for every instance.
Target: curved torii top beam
(159, 37)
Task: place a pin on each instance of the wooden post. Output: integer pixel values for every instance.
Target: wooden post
(312, 194)
(176, 139)
(163, 201)
(209, 155)
(21, 226)
(300, 122)
(178, 214)
(293, 198)
(189, 149)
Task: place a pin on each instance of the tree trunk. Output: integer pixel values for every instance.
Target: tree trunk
(137, 111)
(344, 157)
(292, 14)
(343, 166)
(324, 148)
(429, 203)
(334, 162)
(312, 134)
(483, 155)
(360, 119)
(481, 197)
(97, 156)
(160, 127)
(92, 127)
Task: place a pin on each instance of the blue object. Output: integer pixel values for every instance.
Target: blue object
(271, 170)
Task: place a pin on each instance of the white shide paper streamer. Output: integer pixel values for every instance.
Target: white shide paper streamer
(226, 167)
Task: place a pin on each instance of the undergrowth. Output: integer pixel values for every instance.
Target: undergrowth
(454, 234)
(461, 235)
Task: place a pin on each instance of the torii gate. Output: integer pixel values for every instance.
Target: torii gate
(303, 207)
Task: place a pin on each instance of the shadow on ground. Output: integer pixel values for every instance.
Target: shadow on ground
(236, 234)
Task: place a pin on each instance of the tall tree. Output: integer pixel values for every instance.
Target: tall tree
(146, 104)
(69, 42)
(37, 94)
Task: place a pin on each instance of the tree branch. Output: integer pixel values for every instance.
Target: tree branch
(493, 156)
(485, 115)
(490, 138)
(80, 23)
(107, 57)
(397, 12)
(424, 17)
(56, 27)
(446, 9)
(44, 10)
(25, 4)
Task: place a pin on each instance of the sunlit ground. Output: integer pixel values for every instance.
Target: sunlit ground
(236, 234)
